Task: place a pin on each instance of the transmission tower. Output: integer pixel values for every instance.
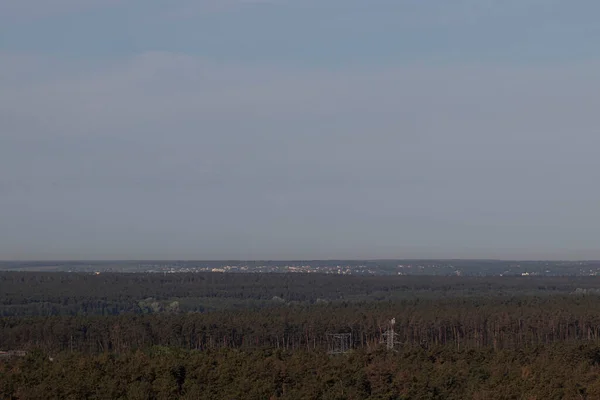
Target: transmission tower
(390, 337)
(338, 343)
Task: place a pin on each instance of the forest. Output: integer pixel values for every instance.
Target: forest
(269, 336)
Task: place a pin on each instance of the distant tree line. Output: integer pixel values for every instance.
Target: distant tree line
(48, 294)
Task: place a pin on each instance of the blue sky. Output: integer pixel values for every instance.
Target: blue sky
(308, 32)
(299, 129)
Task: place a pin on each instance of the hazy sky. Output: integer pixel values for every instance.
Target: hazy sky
(203, 129)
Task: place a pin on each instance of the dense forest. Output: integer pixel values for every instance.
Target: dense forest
(45, 294)
(211, 335)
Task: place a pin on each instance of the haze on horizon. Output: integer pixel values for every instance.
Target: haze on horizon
(295, 129)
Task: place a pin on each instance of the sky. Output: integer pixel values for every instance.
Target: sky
(299, 129)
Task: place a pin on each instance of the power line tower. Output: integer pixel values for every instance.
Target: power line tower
(338, 343)
(390, 337)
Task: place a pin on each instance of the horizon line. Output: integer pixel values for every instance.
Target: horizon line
(300, 259)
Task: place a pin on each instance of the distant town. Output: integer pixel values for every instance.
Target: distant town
(339, 267)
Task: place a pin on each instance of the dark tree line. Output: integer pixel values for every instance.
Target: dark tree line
(46, 294)
(463, 323)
